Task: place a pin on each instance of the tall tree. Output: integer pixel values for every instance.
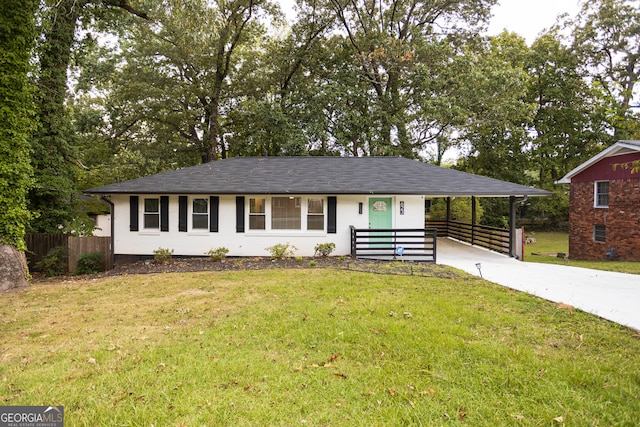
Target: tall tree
(565, 129)
(606, 34)
(496, 132)
(385, 37)
(172, 88)
(55, 158)
(17, 36)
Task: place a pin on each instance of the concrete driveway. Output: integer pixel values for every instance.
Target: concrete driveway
(612, 296)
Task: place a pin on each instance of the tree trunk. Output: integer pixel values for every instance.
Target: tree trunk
(13, 268)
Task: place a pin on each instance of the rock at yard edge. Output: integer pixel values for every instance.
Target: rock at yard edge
(13, 268)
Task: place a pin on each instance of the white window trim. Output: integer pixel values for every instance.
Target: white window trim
(304, 207)
(190, 228)
(595, 195)
(143, 212)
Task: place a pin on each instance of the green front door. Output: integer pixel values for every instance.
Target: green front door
(380, 211)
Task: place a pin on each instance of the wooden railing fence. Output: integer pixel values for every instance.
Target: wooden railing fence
(493, 238)
(415, 244)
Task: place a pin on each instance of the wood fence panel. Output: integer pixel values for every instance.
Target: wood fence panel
(39, 245)
(87, 245)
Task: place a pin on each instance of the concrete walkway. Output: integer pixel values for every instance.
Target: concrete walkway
(612, 296)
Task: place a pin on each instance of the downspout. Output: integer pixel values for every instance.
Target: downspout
(111, 249)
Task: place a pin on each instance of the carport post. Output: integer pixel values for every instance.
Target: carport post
(512, 226)
(448, 210)
(474, 219)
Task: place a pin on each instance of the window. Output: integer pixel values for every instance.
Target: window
(152, 213)
(200, 216)
(599, 233)
(257, 214)
(315, 214)
(602, 194)
(285, 213)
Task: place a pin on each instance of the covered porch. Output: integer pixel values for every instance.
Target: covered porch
(422, 244)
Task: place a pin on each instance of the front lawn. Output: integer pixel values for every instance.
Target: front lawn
(315, 347)
(548, 243)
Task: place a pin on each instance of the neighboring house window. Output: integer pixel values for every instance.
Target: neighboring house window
(602, 194)
(285, 213)
(200, 215)
(599, 233)
(152, 213)
(257, 214)
(315, 214)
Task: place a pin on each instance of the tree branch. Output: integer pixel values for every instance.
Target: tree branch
(124, 4)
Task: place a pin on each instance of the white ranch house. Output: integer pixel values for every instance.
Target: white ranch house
(247, 204)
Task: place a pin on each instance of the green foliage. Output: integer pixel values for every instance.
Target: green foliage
(324, 249)
(460, 210)
(90, 263)
(55, 263)
(554, 210)
(566, 120)
(217, 254)
(162, 255)
(605, 37)
(281, 250)
(54, 154)
(17, 34)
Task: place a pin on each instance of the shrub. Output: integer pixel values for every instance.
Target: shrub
(281, 250)
(162, 255)
(90, 263)
(55, 263)
(324, 249)
(217, 254)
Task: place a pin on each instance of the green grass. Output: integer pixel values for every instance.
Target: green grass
(312, 347)
(553, 242)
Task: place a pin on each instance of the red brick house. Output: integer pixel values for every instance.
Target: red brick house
(604, 205)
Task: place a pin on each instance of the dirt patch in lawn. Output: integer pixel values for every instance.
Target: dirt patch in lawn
(184, 265)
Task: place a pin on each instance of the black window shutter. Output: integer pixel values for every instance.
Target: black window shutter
(332, 214)
(164, 213)
(214, 203)
(240, 214)
(182, 213)
(133, 213)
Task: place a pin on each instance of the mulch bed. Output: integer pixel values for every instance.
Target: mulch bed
(186, 265)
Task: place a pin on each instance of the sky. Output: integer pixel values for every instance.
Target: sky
(525, 17)
(529, 17)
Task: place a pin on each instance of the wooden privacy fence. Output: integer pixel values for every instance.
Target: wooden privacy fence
(39, 245)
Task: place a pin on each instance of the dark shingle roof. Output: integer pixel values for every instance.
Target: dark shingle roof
(319, 175)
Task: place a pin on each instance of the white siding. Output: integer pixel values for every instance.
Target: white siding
(103, 226)
(251, 242)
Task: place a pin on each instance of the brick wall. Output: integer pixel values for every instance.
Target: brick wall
(621, 218)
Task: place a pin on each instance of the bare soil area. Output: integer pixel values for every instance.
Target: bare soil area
(184, 265)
